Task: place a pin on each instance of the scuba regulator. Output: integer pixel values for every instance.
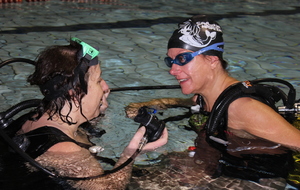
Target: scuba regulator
(154, 126)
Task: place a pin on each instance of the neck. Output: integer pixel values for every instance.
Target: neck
(56, 122)
(215, 89)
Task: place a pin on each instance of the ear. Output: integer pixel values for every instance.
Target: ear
(214, 61)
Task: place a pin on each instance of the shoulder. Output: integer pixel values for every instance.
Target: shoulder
(244, 103)
(247, 112)
(247, 105)
(65, 147)
(63, 155)
(68, 162)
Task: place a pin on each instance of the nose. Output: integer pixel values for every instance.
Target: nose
(105, 87)
(175, 69)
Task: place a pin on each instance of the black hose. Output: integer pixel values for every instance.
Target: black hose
(220, 107)
(106, 172)
(17, 108)
(291, 94)
(16, 60)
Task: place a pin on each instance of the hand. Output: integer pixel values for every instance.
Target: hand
(135, 141)
(158, 143)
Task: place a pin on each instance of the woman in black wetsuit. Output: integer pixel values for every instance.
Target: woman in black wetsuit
(74, 93)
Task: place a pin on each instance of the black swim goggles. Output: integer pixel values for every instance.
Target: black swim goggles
(184, 58)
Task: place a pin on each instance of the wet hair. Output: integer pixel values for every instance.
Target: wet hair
(62, 78)
(223, 63)
(196, 33)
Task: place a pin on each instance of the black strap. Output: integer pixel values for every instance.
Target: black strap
(41, 139)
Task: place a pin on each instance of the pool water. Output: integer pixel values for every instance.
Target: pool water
(261, 41)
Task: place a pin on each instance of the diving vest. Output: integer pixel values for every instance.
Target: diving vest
(243, 158)
(38, 141)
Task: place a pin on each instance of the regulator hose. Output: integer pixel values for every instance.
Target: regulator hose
(5, 117)
(16, 60)
(291, 97)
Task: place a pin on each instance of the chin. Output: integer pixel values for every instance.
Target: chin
(186, 91)
(102, 108)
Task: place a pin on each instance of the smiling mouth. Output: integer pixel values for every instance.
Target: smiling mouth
(181, 80)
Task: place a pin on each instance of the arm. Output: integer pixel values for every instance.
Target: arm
(260, 120)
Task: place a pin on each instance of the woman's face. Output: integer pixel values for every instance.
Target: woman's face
(192, 76)
(95, 101)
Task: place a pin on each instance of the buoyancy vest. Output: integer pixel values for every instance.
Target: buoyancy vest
(38, 141)
(245, 158)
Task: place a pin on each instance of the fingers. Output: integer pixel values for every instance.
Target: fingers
(135, 141)
(158, 143)
(139, 134)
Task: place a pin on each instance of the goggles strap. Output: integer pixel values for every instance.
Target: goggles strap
(86, 57)
(211, 47)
